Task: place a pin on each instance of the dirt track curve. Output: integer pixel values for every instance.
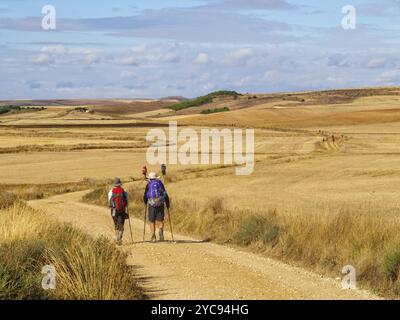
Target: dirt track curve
(191, 269)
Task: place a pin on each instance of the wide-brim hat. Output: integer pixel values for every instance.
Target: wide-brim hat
(117, 182)
(153, 175)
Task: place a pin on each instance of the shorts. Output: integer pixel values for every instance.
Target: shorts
(156, 214)
(119, 221)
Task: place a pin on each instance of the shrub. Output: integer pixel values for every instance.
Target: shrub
(257, 228)
(391, 263)
(216, 110)
(199, 101)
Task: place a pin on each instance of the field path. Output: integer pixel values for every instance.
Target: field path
(192, 269)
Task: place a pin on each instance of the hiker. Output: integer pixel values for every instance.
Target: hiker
(118, 202)
(155, 196)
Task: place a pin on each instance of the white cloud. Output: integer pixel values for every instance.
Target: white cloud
(376, 63)
(42, 59)
(91, 59)
(240, 57)
(55, 49)
(390, 77)
(127, 61)
(202, 58)
(125, 74)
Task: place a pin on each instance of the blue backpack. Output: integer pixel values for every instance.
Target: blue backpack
(155, 193)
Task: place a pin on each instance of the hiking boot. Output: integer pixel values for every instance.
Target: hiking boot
(161, 234)
(153, 238)
(119, 238)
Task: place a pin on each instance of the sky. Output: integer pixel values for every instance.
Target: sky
(159, 48)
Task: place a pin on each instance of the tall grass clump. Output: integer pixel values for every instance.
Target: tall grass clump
(86, 268)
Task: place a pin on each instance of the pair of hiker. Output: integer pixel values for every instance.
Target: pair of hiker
(155, 197)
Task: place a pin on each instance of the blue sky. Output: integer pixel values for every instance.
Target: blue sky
(154, 48)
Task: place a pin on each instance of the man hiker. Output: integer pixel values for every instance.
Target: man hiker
(118, 202)
(155, 196)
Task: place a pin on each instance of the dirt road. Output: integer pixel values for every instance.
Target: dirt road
(192, 269)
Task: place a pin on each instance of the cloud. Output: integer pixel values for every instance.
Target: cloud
(202, 58)
(240, 57)
(381, 8)
(43, 59)
(197, 24)
(33, 84)
(55, 49)
(127, 61)
(389, 78)
(376, 63)
(154, 54)
(72, 85)
(338, 60)
(92, 59)
(125, 74)
(253, 4)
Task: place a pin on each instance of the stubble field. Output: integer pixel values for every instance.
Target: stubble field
(324, 203)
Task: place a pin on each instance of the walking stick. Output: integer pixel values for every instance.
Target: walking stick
(130, 226)
(170, 225)
(144, 225)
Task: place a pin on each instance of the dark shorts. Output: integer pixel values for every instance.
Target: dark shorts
(119, 221)
(156, 214)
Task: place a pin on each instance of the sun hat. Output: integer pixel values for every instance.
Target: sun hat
(117, 182)
(153, 175)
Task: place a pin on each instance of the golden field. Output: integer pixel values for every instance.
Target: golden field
(333, 203)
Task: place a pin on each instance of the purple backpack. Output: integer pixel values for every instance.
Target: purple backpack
(155, 193)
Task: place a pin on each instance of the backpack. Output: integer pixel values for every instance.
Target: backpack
(118, 199)
(155, 193)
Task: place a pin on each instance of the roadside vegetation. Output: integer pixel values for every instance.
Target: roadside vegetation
(324, 241)
(86, 268)
(199, 101)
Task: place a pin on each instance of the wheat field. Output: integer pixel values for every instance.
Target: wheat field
(329, 203)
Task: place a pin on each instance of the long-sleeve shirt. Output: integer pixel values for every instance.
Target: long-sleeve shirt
(166, 197)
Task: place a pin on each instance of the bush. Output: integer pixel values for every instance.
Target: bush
(199, 101)
(257, 228)
(391, 264)
(81, 109)
(216, 110)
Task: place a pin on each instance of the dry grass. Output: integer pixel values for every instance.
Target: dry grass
(9, 193)
(65, 148)
(86, 268)
(364, 237)
(320, 205)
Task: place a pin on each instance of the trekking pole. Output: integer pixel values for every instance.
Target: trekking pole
(144, 222)
(163, 171)
(130, 226)
(170, 225)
